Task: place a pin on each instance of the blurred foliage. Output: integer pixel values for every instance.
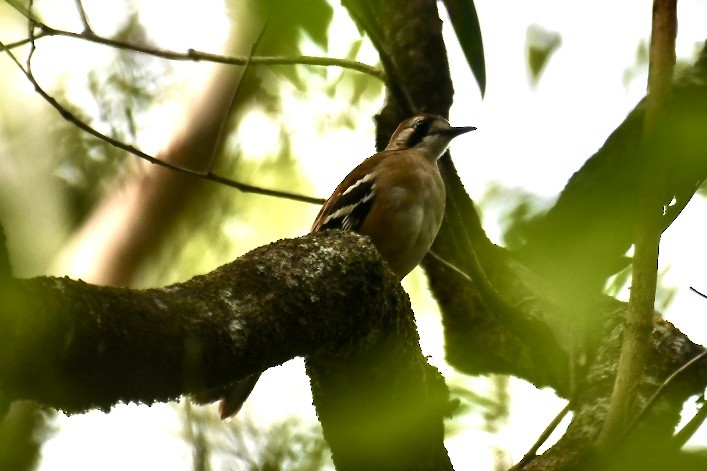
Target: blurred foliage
(5, 267)
(540, 45)
(221, 223)
(85, 165)
(129, 85)
(498, 414)
(22, 432)
(588, 230)
(654, 454)
(242, 444)
(620, 282)
(122, 92)
(234, 222)
(287, 24)
(492, 405)
(640, 65)
(516, 208)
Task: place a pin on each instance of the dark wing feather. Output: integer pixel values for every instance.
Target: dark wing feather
(351, 202)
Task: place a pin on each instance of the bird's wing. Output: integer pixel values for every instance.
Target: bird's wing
(350, 203)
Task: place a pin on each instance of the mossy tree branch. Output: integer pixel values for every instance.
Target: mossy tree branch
(327, 297)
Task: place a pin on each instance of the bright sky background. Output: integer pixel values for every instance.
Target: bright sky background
(532, 138)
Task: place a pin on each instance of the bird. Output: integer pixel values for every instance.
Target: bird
(396, 197)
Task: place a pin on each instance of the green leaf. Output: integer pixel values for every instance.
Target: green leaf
(462, 13)
(540, 45)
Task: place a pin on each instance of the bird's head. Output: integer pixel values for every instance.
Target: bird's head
(427, 132)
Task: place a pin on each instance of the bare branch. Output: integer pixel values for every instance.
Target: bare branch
(72, 118)
(669, 380)
(699, 293)
(84, 18)
(691, 427)
(532, 453)
(197, 56)
(22, 42)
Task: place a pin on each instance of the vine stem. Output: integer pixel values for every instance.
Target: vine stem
(647, 231)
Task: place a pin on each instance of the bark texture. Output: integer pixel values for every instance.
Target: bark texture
(327, 297)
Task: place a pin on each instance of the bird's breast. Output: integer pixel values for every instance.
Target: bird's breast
(412, 204)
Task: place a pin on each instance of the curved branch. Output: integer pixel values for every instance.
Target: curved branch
(100, 345)
(328, 297)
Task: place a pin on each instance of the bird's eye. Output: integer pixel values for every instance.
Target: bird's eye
(420, 129)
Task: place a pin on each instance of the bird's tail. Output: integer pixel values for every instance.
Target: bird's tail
(232, 395)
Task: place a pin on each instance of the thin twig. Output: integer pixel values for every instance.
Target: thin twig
(699, 292)
(658, 392)
(31, 33)
(691, 427)
(197, 56)
(72, 118)
(451, 266)
(532, 453)
(683, 435)
(84, 18)
(22, 42)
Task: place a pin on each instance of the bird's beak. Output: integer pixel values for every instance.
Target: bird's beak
(454, 132)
